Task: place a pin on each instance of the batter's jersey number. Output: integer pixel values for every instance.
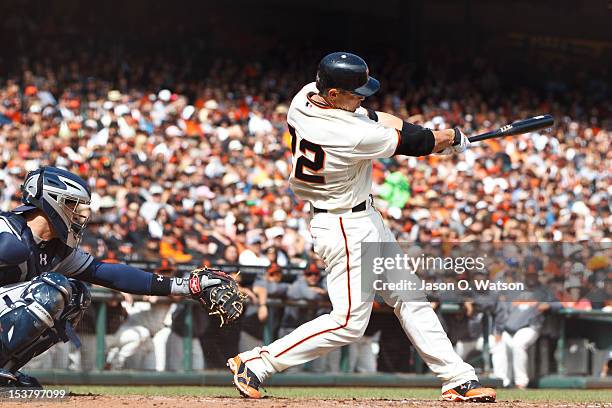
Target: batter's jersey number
(314, 165)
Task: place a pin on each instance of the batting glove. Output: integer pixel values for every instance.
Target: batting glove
(460, 144)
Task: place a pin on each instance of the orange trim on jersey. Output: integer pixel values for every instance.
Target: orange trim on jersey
(318, 104)
(348, 313)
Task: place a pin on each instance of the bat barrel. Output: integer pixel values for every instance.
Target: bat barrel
(517, 128)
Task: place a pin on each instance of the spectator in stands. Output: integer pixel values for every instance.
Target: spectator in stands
(572, 298)
(253, 254)
(150, 252)
(172, 246)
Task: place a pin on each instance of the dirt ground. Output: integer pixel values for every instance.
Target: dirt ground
(96, 401)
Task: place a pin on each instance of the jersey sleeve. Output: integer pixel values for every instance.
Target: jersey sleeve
(376, 142)
(12, 250)
(74, 263)
(124, 278)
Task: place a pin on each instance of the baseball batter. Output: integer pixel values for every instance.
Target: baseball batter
(334, 141)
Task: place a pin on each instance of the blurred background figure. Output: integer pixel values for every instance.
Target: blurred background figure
(518, 322)
(140, 343)
(309, 287)
(259, 316)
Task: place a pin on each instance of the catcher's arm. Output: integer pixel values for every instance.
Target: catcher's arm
(213, 288)
(126, 278)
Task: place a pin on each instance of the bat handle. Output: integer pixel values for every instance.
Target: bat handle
(484, 136)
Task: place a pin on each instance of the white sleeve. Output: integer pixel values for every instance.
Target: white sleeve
(75, 263)
(377, 141)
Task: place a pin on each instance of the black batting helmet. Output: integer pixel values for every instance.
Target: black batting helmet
(346, 71)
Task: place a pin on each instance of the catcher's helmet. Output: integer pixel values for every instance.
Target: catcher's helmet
(346, 71)
(63, 197)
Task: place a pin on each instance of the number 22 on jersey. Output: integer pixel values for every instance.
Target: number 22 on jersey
(312, 165)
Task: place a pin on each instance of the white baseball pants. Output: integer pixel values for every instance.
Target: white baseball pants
(337, 241)
(510, 356)
(130, 342)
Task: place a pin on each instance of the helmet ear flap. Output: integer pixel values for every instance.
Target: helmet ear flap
(29, 196)
(39, 183)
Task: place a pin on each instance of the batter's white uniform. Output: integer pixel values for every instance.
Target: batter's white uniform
(332, 168)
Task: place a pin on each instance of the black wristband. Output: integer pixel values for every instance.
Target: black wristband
(160, 285)
(457, 140)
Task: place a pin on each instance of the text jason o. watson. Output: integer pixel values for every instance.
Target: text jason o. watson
(462, 284)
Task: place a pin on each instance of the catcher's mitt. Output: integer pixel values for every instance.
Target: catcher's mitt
(218, 292)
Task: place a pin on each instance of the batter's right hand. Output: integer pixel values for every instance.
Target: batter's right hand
(460, 145)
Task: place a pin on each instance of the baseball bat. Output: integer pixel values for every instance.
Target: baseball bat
(516, 128)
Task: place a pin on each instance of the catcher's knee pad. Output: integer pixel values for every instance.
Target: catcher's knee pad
(47, 295)
(29, 320)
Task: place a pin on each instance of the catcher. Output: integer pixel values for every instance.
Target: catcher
(42, 270)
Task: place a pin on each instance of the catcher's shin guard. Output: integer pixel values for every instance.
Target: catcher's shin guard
(62, 331)
(26, 322)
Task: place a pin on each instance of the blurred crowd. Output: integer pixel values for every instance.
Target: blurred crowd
(189, 164)
(189, 170)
